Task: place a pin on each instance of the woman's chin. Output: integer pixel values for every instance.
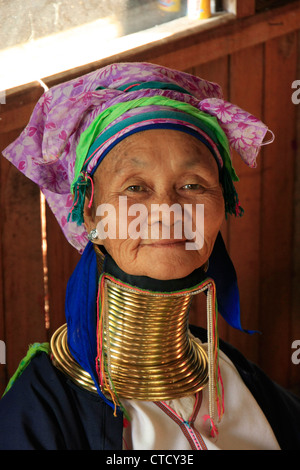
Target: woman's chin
(162, 263)
(165, 273)
(164, 269)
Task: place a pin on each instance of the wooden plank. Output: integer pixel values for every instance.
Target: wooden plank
(22, 265)
(19, 105)
(22, 312)
(214, 71)
(294, 378)
(277, 208)
(246, 90)
(61, 259)
(241, 8)
(245, 8)
(225, 40)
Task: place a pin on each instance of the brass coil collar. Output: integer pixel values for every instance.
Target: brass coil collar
(151, 354)
(147, 348)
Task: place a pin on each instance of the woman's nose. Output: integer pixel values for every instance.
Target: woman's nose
(165, 194)
(165, 216)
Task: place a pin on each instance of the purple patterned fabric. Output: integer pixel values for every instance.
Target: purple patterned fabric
(46, 150)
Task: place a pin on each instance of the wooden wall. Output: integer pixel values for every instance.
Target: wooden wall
(255, 59)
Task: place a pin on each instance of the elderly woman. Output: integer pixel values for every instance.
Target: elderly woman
(134, 161)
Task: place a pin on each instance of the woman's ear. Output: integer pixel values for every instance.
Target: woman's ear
(90, 222)
(88, 215)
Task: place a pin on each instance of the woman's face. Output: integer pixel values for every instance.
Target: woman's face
(141, 173)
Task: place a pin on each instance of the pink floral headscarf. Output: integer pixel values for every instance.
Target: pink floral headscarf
(46, 150)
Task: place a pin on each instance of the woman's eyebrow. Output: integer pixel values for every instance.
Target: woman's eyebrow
(191, 162)
(128, 164)
(198, 162)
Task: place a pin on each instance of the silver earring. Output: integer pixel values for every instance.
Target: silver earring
(93, 235)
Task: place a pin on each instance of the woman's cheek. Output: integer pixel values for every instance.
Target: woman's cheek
(214, 213)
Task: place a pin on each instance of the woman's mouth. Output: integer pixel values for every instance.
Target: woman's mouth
(164, 243)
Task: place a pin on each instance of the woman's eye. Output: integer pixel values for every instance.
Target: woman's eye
(135, 188)
(193, 186)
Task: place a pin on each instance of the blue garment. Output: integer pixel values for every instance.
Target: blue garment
(222, 271)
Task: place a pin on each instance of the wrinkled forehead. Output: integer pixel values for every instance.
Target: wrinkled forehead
(157, 148)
